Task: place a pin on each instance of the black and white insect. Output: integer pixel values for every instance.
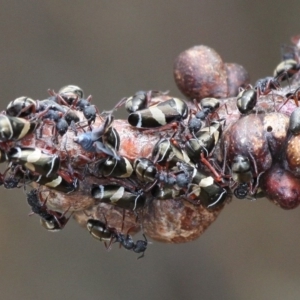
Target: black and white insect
(140, 100)
(286, 69)
(56, 182)
(294, 124)
(14, 129)
(70, 93)
(165, 153)
(101, 231)
(111, 140)
(111, 167)
(119, 196)
(35, 160)
(21, 107)
(205, 140)
(246, 100)
(161, 114)
(204, 188)
(145, 170)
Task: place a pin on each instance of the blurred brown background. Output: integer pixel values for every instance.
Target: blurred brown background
(112, 49)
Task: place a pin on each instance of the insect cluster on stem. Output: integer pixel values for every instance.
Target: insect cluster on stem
(171, 167)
